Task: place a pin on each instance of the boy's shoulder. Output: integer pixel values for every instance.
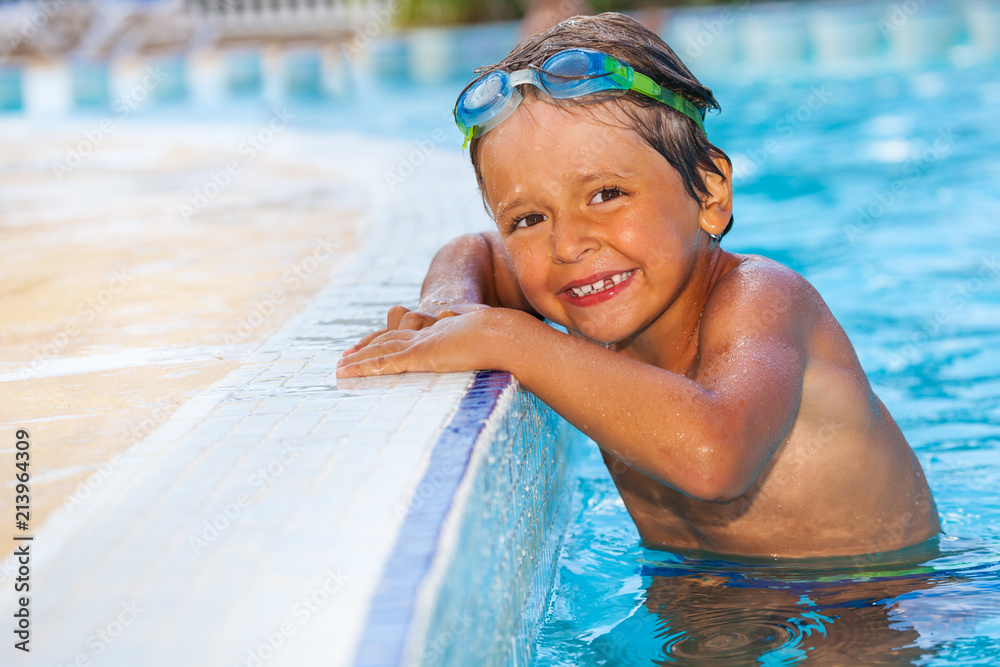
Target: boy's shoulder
(756, 292)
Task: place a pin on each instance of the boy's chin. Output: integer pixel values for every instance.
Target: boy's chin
(601, 338)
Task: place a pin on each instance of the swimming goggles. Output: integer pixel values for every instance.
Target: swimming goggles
(569, 74)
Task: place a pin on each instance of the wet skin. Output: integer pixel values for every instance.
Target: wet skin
(728, 403)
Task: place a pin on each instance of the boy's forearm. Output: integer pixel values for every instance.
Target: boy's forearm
(628, 407)
(472, 269)
(461, 272)
(662, 424)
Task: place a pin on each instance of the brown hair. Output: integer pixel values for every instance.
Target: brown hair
(672, 134)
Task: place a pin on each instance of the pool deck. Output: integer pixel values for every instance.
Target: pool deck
(203, 489)
(252, 526)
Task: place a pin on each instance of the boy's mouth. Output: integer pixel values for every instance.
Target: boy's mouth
(598, 286)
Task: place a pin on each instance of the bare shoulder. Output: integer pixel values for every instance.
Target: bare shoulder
(754, 293)
(763, 305)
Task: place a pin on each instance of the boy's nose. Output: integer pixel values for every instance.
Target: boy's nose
(572, 238)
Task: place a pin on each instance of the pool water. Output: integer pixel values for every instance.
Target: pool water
(880, 188)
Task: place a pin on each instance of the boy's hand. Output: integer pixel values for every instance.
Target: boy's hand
(453, 342)
(427, 313)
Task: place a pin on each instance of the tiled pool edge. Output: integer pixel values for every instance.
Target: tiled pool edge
(323, 524)
(473, 562)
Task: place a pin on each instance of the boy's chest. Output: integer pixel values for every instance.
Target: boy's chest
(667, 518)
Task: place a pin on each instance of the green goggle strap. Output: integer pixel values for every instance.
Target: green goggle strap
(639, 82)
(643, 84)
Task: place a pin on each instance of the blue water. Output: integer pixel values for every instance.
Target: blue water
(884, 195)
(880, 187)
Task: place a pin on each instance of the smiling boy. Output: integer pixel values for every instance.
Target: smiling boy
(727, 401)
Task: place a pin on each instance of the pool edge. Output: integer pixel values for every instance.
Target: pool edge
(424, 608)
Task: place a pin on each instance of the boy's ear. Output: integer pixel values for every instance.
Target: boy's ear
(717, 205)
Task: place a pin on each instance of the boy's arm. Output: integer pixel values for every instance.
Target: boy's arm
(470, 272)
(471, 269)
(708, 435)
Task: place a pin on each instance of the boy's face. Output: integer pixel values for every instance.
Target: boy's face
(600, 229)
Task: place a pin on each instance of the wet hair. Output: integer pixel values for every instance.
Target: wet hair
(669, 132)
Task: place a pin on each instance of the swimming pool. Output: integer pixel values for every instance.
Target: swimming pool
(875, 180)
(880, 188)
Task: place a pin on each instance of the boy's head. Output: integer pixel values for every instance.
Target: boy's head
(664, 128)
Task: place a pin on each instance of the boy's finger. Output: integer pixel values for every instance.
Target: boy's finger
(372, 366)
(377, 344)
(396, 313)
(363, 342)
(415, 321)
(387, 360)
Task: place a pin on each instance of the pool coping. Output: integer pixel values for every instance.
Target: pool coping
(393, 614)
(345, 455)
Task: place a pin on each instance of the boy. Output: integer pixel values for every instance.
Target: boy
(727, 401)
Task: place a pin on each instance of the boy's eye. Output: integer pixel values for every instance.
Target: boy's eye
(607, 194)
(529, 220)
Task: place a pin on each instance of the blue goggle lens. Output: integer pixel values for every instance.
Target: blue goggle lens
(484, 100)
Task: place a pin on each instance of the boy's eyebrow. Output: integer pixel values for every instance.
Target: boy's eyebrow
(503, 207)
(588, 177)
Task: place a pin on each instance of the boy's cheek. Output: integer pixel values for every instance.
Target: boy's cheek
(541, 301)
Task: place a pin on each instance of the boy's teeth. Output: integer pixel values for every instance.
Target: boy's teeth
(600, 285)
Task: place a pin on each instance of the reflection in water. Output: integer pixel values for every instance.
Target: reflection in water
(893, 610)
(738, 616)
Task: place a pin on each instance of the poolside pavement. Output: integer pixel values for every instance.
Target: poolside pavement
(209, 493)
